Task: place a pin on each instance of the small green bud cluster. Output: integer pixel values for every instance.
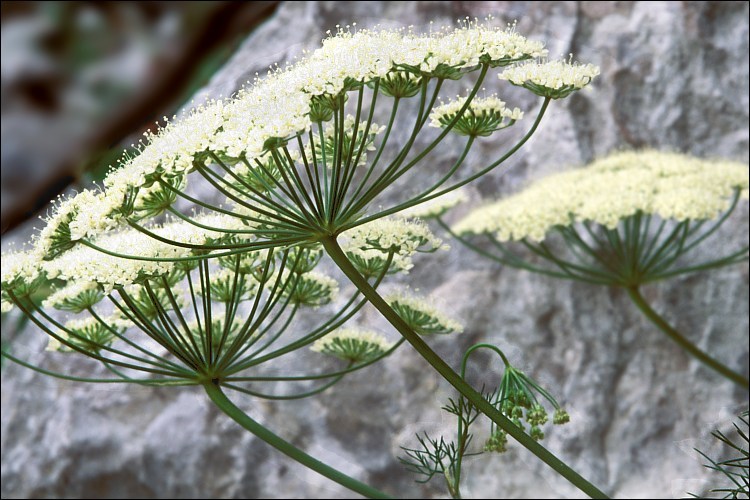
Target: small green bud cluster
(497, 442)
(517, 399)
(311, 289)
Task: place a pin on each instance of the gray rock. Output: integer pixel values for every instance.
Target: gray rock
(674, 76)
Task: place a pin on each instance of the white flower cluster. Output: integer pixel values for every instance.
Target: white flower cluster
(483, 116)
(670, 185)
(86, 264)
(407, 237)
(228, 286)
(423, 317)
(75, 296)
(89, 333)
(311, 289)
(467, 46)
(555, 79)
(278, 107)
(351, 344)
(6, 305)
(115, 321)
(239, 133)
(371, 262)
(19, 267)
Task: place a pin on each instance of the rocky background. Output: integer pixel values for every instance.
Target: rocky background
(674, 77)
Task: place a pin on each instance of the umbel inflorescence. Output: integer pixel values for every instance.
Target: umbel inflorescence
(193, 260)
(181, 319)
(628, 217)
(297, 154)
(626, 220)
(294, 158)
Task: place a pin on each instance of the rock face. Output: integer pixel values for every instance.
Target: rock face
(674, 76)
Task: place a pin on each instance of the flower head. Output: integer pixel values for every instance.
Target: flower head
(403, 237)
(518, 398)
(89, 334)
(247, 135)
(310, 289)
(76, 296)
(497, 442)
(672, 186)
(6, 305)
(368, 246)
(421, 316)
(228, 286)
(554, 79)
(87, 264)
(21, 271)
(372, 262)
(353, 345)
(482, 117)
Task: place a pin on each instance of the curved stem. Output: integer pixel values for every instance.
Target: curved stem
(320, 376)
(463, 430)
(465, 359)
(220, 399)
(638, 300)
(286, 397)
(337, 255)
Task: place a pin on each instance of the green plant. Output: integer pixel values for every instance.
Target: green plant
(627, 220)
(735, 470)
(515, 396)
(295, 166)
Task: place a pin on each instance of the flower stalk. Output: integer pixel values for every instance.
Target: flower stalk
(235, 413)
(635, 295)
(337, 255)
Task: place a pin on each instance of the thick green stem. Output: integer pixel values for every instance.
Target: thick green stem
(334, 251)
(221, 400)
(637, 298)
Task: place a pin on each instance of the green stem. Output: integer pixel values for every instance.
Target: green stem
(337, 255)
(462, 432)
(236, 414)
(62, 376)
(637, 298)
